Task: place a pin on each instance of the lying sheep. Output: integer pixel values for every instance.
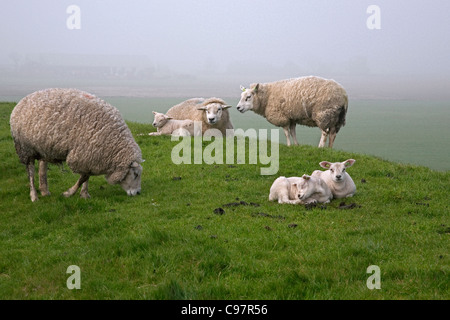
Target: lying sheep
(310, 101)
(57, 125)
(336, 177)
(212, 113)
(302, 190)
(167, 126)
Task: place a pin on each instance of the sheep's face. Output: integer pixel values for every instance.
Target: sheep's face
(306, 187)
(160, 119)
(337, 169)
(213, 112)
(247, 99)
(132, 181)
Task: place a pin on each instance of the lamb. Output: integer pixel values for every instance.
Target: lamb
(304, 190)
(212, 113)
(310, 101)
(336, 177)
(56, 125)
(167, 126)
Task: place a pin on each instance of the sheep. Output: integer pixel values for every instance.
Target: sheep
(212, 113)
(310, 101)
(304, 190)
(337, 179)
(167, 126)
(56, 125)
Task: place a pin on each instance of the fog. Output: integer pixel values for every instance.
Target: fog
(201, 48)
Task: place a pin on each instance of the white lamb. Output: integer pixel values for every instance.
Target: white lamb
(168, 126)
(336, 177)
(302, 190)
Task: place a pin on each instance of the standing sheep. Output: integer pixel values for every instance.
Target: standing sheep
(56, 125)
(212, 113)
(310, 101)
(336, 177)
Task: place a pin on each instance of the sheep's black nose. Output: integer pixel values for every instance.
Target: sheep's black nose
(338, 177)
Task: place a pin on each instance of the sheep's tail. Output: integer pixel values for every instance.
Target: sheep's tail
(343, 112)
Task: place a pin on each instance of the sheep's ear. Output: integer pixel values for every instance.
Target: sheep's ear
(117, 176)
(154, 112)
(306, 177)
(256, 88)
(243, 88)
(226, 107)
(167, 117)
(134, 164)
(201, 108)
(349, 162)
(325, 164)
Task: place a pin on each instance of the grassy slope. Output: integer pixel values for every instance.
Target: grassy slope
(169, 244)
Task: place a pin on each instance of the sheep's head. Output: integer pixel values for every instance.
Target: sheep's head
(129, 178)
(247, 98)
(160, 119)
(337, 169)
(213, 110)
(306, 187)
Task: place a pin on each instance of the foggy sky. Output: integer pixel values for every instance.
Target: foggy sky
(198, 36)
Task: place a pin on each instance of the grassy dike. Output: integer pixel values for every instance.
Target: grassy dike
(209, 232)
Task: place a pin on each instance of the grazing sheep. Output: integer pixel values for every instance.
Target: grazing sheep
(56, 125)
(310, 101)
(212, 113)
(336, 177)
(167, 126)
(302, 190)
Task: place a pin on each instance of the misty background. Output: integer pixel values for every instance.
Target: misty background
(208, 48)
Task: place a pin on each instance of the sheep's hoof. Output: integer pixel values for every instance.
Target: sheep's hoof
(67, 194)
(34, 196)
(85, 195)
(45, 193)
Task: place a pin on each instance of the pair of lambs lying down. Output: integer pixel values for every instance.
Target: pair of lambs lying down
(321, 186)
(57, 125)
(193, 115)
(310, 101)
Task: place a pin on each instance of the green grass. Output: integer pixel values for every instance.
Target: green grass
(168, 243)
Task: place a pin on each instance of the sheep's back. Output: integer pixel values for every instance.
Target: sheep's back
(307, 100)
(52, 123)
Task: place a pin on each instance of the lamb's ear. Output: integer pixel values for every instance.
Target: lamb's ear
(167, 117)
(226, 107)
(243, 88)
(201, 108)
(349, 162)
(325, 164)
(306, 177)
(256, 88)
(154, 112)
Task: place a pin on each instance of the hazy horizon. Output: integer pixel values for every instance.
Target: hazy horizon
(213, 46)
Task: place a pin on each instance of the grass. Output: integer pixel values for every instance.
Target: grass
(171, 242)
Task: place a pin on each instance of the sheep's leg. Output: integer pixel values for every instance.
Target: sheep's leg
(286, 133)
(84, 190)
(30, 171)
(332, 137)
(43, 185)
(71, 191)
(293, 134)
(323, 139)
